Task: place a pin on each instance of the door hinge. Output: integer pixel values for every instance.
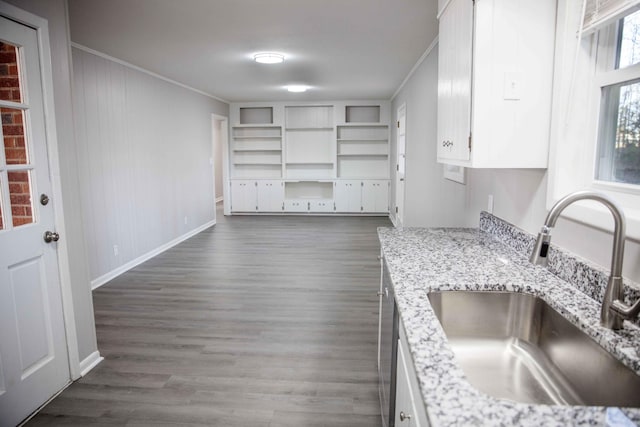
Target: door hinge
(396, 209)
(398, 124)
(397, 168)
(469, 142)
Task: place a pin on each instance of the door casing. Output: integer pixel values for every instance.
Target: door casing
(46, 73)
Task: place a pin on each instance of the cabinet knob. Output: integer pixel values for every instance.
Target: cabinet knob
(404, 416)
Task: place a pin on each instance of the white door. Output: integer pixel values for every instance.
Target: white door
(401, 126)
(33, 354)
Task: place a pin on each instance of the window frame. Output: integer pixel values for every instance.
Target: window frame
(608, 43)
(583, 65)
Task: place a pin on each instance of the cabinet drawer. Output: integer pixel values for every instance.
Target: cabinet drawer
(321, 205)
(296, 206)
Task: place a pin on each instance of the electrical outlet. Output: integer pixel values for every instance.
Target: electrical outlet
(185, 220)
(115, 250)
(490, 203)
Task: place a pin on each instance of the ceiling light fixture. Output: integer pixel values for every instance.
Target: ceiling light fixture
(268, 58)
(297, 88)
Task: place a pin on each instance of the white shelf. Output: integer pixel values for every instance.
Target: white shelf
(363, 140)
(246, 150)
(309, 163)
(258, 137)
(308, 129)
(363, 155)
(266, 125)
(357, 125)
(257, 164)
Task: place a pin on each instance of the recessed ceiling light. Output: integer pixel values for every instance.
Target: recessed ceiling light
(297, 88)
(268, 57)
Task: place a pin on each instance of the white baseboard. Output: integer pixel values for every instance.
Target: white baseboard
(393, 220)
(96, 283)
(90, 362)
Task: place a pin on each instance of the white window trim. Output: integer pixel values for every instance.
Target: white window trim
(578, 79)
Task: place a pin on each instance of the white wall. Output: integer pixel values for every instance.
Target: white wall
(55, 11)
(519, 194)
(430, 200)
(144, 153)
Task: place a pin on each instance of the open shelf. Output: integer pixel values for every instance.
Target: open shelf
(363, 140)
(363, 155)
(362, 114)
(240, 150)
(308, 190)
(256, 115)
(310, 163)
(309, 129)
(258, 163)
(258, 137)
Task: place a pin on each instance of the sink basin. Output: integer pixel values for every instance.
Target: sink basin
(515, 346)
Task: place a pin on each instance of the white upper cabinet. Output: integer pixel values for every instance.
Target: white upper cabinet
(495, 69)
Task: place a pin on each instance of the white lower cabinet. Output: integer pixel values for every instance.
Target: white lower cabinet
(410, 409)
(321, 205)
(330, 196)
(296, 206)
(348, 196)
(244, 196)
(375, 196)
(270, 196)
(362, 196)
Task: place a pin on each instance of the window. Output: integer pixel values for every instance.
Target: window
(595, 128)
(618, 157)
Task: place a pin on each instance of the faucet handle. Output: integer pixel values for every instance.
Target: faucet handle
(541, 247)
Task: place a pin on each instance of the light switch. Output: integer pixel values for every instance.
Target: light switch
(512, 83)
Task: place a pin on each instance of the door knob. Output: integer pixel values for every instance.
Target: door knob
(404, 416)
(51, 236)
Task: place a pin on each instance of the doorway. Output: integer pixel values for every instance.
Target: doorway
(34, 361)
(220, 126)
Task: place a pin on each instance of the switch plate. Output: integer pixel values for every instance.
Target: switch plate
(512, 86)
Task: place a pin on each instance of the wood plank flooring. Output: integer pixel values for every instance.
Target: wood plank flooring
(257, 321)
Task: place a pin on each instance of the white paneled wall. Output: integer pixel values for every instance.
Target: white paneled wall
(144, 151)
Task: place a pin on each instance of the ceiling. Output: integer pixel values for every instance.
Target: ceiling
(342, 49)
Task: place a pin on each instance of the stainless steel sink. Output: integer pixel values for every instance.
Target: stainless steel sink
(515, 346)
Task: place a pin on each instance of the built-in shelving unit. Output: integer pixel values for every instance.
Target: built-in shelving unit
(256, 151)
(310, 157)
(309, 136)
(363, 150)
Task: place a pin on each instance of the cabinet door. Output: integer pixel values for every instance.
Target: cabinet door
(375, 196)
(270, 196)
(321, 205)
(454, 81)
(348, 196)
(410, 410)
(296, 206)
(244, 196)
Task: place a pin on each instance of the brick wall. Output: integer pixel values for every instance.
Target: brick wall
(14, 141)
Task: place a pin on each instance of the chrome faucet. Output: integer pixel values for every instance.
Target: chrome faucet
(614, 311)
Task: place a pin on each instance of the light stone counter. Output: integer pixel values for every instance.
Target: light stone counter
(492, 258)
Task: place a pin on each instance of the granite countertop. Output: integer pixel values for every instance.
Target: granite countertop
(424, 260)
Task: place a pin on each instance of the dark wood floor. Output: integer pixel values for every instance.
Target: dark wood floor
(258, 321)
